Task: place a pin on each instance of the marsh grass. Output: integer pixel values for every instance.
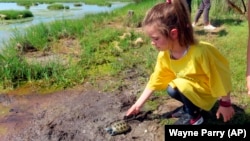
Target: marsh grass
(57, 6)
(15, 14)
(16, 71)
(27, 4)
(105, 52)
(77, 4)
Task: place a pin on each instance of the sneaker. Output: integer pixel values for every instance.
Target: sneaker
(178, 112)
(187, 119)
(193, 24)
(209, 27)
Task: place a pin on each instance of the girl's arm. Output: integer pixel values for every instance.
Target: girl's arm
(139, 103)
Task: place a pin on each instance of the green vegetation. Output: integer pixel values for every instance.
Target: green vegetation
(78, 4)
(27, 4)
(107, 50)
(57, 6)
(14, 14)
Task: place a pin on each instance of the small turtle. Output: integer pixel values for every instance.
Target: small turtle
(118, 127)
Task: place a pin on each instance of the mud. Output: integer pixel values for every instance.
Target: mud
(83, 113)
(79, 114)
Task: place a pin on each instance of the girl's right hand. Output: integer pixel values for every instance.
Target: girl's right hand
(133, 110)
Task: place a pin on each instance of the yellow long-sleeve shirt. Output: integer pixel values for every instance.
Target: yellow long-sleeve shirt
(202, 75)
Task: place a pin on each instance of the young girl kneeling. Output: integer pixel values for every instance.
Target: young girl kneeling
(192, 72)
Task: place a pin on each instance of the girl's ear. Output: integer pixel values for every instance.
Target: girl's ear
(174, 33)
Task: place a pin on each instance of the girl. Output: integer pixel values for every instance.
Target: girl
(192, 72)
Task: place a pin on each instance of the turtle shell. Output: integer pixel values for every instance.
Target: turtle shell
(119, 127)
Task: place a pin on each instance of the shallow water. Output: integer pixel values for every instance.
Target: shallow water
(42, 14)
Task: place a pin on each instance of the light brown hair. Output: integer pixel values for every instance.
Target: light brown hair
(167, 16)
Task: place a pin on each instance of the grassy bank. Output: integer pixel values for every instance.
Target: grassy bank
(17, 71)
(104, 46)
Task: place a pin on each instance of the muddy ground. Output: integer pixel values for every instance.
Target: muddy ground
(78, 114)
(81, 114)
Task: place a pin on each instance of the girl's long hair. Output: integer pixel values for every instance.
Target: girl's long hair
(168, 15)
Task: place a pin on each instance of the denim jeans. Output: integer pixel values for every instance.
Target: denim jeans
(188, 106)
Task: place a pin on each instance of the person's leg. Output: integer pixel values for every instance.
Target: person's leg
(174, 93)
(199, 12)
(190, 113)
(189, 2)
(207, 6)
(189, 107)
(193, 116)
(207, 24)
(193, 110)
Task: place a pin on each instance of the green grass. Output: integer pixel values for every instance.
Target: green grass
(57, 6)
(15, 14)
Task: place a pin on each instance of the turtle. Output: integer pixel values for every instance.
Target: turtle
(118, 127)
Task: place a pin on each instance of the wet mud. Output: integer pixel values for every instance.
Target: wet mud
(72, 115)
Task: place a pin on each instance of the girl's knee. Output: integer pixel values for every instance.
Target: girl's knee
(173, 92)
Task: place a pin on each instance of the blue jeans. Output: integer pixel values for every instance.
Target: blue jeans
(188, 106)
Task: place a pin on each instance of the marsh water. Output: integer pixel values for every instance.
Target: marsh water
(44, 15)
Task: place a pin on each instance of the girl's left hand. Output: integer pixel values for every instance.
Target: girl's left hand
(226, 112)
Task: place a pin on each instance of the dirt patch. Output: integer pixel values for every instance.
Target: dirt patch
(73, 115)
(81, 114)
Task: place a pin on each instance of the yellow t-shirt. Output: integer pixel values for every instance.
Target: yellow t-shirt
(202, 75)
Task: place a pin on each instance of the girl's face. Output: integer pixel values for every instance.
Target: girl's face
(158, 40)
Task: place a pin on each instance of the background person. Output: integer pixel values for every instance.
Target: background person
(248, 52)
(204, 9)
(189, 2)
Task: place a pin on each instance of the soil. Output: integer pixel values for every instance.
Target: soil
(79, 114)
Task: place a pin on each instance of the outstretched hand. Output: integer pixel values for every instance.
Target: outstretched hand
(133, 110)
(226, 112)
